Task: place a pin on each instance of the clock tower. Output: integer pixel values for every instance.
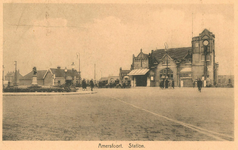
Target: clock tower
(203, 57)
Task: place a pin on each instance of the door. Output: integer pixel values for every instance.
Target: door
(141, 80)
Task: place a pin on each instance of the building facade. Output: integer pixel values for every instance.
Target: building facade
(183, 66)
(225, 81)
(52, 77)
(11, 78)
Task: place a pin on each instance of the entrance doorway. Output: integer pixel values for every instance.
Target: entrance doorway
(141, 80)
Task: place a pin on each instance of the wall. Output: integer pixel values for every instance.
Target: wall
(25, 81)
(48, 81)
(61, 79)
(40, 81)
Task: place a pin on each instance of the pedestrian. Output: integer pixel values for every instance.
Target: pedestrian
(173, 84)
(166, 83)
(91, 85)
(193, 84)
(199, 85)
(161, 84)
(84, 85)
(124, 85)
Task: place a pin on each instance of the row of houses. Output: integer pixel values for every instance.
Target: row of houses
(50, 77)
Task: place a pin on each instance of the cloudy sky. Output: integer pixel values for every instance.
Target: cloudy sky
(51, 35)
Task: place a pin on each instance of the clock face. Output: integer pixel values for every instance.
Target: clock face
(205, 42)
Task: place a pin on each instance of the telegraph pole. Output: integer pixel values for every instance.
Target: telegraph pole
(78, 56)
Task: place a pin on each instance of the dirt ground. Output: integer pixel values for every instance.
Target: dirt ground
(109, 115)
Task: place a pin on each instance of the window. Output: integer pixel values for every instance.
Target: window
(208, 49)
(196, 58)
(164, 72)
(196, 50)
(196, 44)
(202, 49)
(165, 62)
(203, 57)
(208, 57)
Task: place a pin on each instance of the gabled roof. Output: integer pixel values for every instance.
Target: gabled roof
(175, 53)
(61, 72)
(40, 75)
(58, 72)
(142, 55)
(12, 74)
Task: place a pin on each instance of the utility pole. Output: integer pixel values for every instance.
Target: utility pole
(78, 56)
(167, 65)
(15, 83)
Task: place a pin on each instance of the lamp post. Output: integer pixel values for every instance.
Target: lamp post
(167, 65)
(205, 44)
(65, 73)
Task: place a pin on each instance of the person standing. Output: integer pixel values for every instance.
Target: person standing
(91, 85)
(199, 85)
(84, 85)
(166, 83)
(173, 84)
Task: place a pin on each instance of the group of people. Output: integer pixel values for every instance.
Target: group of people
(84, 85)
(165, 84)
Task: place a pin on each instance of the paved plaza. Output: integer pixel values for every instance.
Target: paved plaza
(135, 114)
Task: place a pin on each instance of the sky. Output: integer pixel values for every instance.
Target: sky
(107, 35)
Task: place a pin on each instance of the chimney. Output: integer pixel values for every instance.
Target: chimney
(58, 67)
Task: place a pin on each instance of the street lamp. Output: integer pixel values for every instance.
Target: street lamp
(65, 71)
(205, 44)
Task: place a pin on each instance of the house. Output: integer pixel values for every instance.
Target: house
(225, 81)
(182, 65)
(27, 79)
(10, 77)
(52, 77)
(58, 76)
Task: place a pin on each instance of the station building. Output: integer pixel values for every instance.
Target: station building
(183, 65)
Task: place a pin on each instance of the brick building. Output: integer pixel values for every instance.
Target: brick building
(182, 65)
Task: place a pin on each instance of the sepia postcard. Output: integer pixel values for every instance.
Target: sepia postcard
(118, 75)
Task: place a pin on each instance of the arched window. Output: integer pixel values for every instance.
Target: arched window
(164, 72)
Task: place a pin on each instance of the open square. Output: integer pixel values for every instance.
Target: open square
(136, 114)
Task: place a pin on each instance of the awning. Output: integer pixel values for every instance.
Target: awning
(186, 70)
(138, 72)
